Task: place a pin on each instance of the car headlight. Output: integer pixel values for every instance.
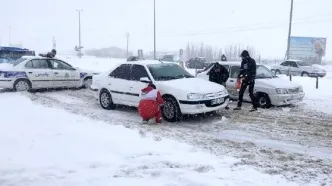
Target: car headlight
(224, 92)
(281, 91)
(196, 96)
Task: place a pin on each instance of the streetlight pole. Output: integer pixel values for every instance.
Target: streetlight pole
(79, 32)
(154, 32)
(127, 35)
(9, 36)
(289, 30)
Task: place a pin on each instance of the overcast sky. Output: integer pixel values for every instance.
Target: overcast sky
(260, 23)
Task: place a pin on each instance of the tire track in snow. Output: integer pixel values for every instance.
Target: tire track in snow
(206, 133)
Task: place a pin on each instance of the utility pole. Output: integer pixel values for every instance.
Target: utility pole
(54, 43)
(127, 35)
(9, 36)
(79, 33)
(289, 30)
(154, 25)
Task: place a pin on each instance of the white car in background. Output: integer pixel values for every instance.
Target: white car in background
(269, 89)
(182, 92)
(299, 68)
(33, 72)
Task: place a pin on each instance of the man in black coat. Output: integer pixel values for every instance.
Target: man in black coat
(49, 54)
(219, 74)
(248, 75)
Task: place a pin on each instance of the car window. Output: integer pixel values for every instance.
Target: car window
(121, 72)
(286, 63)
(263, 72)
(235, 70)
(28, 64)
(293, 64)
(60, 65)
(301, 63)
(37, 64)
(137, 72)
(168, 71)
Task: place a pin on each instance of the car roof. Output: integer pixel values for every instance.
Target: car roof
(229, 63)
(143, 62)
(295, 60)
(36, 57)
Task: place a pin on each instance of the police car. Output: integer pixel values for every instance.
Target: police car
(34, 72)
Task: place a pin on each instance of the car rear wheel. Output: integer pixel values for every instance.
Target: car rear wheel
(22, 85)
(277, 72)
(171, 110)
(105, 100)
(263, 100)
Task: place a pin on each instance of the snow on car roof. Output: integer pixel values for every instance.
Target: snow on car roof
(229, 62)
(36, 57)
(144, 62)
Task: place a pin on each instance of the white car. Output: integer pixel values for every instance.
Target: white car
(182, 92)
(299, 68)
(269, 89)
(33, 72)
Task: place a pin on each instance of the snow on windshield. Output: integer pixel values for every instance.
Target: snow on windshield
(168, 71)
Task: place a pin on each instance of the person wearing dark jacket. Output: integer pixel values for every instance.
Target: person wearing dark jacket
(49, 54)
(219, 74)
(248, 75)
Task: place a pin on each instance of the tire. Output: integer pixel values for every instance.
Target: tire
(171, 111)
(304, 74)
(263, 100)
(105, 100)
(22, 85)
(87, 82)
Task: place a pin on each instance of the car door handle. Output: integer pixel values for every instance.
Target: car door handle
(231, 81)
(30, 72)
(56, 73)
(130, 87)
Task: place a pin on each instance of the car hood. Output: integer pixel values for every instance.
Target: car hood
(276, 83)
(191, 85)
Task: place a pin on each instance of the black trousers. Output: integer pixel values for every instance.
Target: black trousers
(243, 88)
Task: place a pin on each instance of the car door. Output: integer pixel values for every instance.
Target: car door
(64, 74)
(295, 70)
(39, 73)
(230, 84)
(137, 72)
(118, 84)
(285, 67)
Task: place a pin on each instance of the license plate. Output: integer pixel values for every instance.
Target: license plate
(217, 101)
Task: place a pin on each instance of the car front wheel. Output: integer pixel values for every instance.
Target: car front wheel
(171, 110)
(263, 100)
(105, 100)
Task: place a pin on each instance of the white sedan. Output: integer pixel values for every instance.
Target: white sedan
(33, 72)
(299, 68)
(183, 93)
(269, 89)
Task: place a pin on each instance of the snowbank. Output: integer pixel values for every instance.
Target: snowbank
(44, 146)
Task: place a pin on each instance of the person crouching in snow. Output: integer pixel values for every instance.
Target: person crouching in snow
(150, 103)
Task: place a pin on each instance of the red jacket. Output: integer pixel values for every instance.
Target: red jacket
(149, 104)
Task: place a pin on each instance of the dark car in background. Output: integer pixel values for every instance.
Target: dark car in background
(197, 63)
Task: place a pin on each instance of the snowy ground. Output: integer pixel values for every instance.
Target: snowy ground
(47, 146)
(291, 142)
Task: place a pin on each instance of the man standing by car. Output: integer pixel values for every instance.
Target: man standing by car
(219, 74)
(248, 75)
(49, 54)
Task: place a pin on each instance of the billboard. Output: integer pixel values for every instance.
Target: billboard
(307, 47)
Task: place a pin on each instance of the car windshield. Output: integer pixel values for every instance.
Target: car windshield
(17, 61)
(301, 63)
(263, 72)
(164, 72)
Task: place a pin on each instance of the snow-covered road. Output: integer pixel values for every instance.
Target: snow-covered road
(295, 143)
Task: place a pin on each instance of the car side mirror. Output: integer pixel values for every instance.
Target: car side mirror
(145, 80)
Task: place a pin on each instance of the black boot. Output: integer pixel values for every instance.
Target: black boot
(237, 108)
(253, 109)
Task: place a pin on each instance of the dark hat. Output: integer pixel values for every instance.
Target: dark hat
(245, 53)
(54, 51)
(152, 85)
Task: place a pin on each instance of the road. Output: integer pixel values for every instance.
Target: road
(293, 142)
